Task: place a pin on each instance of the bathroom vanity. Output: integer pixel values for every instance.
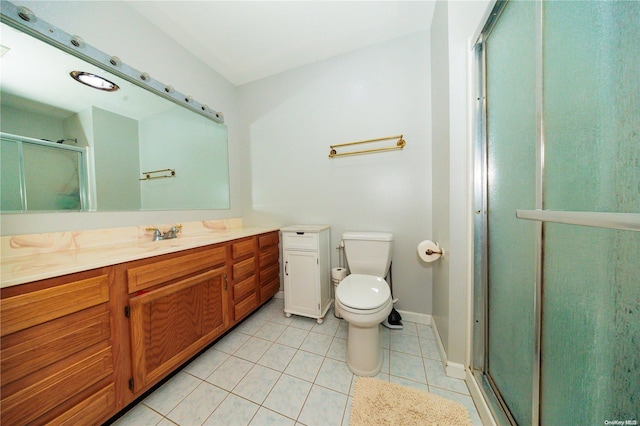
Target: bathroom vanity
(78, 348)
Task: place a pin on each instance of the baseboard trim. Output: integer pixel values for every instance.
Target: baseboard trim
(415, 317)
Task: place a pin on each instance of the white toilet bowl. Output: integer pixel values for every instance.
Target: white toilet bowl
(364, 302)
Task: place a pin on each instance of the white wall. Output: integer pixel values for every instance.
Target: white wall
(441, 158)
(463, 19)
(114, 27)
(291, 119)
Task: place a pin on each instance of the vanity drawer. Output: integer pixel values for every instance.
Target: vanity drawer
(243, 248)
(268, 240)
(146, 276)
(25, 400)
(243, 268)
(90, 411)
(31, 350)
(300, 240)
(269, 256)
(37, 307)
(244, 307)
(244, 287)
(268, 290)
(270, 273)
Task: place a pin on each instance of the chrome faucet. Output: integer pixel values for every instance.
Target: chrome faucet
(170, 234)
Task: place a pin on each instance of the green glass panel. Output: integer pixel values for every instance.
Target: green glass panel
(591, 302)
(10, 176)
(591, 326)
(52, 178)
(592, 106)
(511, 165)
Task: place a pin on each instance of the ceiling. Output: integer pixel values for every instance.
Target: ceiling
(248, 40)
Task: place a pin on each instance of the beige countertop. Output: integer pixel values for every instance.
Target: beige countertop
(27, 258)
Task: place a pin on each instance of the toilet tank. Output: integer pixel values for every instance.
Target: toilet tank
(368, 253)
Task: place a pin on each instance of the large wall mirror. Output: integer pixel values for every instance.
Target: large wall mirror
(67, 146)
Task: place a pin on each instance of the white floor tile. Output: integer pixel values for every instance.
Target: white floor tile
(335, 375)
(140, 415)
(231, 342)
(270, 331)
(257, 383)
(304, 365)
(293, 337)
(407, 366)
(316, 410)
(406, 343)
(253, 349)
(205, 364)
(338, 349)
(229, 374)
(317, 343)
(277, 357)
(233, 411)
(266, 417)
(166, 397)
(198, 405)
(437, 377)
(288, 396)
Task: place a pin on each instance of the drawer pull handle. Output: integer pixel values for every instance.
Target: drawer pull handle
(300, 233)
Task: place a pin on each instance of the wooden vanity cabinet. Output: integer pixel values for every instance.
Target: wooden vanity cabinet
(58, 355)
(244, 295)
(176, 307)
(77, 349)
(255, 272)
(268, 265)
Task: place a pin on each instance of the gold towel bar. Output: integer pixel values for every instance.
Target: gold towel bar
(148, 175)
(399, 145)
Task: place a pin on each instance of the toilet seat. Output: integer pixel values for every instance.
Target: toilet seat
(363, 292)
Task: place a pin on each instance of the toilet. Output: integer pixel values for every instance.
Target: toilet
(364, 298)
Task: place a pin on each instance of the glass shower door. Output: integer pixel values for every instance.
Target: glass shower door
(511, 168)
(591, 296)
(559, 266)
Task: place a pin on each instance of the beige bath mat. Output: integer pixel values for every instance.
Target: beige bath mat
(382, 403)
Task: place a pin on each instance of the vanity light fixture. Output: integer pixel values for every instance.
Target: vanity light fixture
(94, 81)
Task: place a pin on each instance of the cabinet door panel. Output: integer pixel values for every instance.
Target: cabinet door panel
(301, 283)
(170, 324)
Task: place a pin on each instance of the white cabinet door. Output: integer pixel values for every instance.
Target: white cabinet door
(301, 283)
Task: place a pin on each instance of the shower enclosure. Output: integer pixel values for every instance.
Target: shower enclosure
(41, 176)
(556, 336)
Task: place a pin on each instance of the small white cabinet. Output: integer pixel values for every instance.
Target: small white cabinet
(307, 270)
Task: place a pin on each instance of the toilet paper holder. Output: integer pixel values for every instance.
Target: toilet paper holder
(429, 252)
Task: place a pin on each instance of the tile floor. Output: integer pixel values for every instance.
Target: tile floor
(274, 370)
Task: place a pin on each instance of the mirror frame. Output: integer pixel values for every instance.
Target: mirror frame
(23, 19)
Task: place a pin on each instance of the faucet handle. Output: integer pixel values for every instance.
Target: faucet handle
(157, 235)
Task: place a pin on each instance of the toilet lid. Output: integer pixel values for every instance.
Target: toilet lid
(363, 291)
